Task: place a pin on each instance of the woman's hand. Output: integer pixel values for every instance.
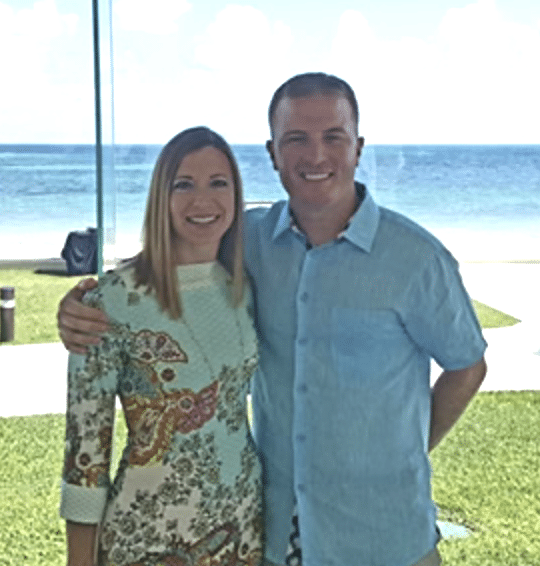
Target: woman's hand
(81, 541)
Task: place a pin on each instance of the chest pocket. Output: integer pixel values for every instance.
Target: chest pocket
(366, 344)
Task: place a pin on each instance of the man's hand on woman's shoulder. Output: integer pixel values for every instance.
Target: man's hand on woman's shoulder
(79, 325)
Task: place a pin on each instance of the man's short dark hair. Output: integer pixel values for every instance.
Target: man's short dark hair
(311, 84)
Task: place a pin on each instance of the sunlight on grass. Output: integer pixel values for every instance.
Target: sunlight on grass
(484, 476)
(492, 318)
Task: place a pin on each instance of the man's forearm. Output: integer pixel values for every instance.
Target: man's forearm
(81, 541)
(450, 396)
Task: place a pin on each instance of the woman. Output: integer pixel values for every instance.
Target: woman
(179, 356)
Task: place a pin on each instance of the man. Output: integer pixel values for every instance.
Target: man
(351, 302)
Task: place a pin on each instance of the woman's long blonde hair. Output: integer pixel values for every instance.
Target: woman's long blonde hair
(155, 265)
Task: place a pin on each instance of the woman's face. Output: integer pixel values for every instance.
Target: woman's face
(202, 205)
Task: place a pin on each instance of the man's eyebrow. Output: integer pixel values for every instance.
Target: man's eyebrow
(294, 133)
(336, 130)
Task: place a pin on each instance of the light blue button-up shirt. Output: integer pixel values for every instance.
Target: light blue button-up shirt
(342, 397)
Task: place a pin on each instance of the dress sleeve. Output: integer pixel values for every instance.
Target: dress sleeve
(92, 380)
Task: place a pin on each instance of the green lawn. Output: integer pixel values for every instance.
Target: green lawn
(492, 318)
(485, 476)
(36, 302)
(37, 297)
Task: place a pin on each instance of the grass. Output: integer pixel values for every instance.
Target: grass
(36, 302)
(485, 476)
(492, 318)
(37, 297)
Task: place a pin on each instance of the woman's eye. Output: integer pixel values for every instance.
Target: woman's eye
(182, 186)
(219, 183)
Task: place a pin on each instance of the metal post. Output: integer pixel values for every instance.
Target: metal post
(99, 149)
(7, 314)
(104, 126)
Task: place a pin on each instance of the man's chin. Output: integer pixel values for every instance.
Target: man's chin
(310, 202)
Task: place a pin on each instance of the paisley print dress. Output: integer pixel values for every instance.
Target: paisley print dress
(188, 486)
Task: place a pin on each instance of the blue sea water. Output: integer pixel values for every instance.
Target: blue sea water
(487, 193)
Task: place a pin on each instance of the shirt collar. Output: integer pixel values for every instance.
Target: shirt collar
(360, 230)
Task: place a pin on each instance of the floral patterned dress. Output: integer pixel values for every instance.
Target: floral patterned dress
(188, 487)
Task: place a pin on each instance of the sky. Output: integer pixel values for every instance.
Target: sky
(449, 71)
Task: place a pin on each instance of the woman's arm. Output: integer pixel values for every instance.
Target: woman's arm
(81, 541)
(92, 385)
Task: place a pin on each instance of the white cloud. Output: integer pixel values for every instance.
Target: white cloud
(26, 35)
(39, 100)
(242, 55)
(242, 38)
(475, 79)
(238, 60)
(42, 21)
(159, 17)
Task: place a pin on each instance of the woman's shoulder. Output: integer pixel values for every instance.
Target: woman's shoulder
(113, 289)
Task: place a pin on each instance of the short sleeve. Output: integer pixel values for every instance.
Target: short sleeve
(440, 317)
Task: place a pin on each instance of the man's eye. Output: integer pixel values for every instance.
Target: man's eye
(295, 139)
(182, 186)
(333, 137)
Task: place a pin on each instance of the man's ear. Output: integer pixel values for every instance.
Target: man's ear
(360, 146)
(270, 150)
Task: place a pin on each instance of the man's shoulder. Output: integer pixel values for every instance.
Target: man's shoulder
(260, 217)
(408, 237)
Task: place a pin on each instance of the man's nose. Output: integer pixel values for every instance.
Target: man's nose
(316, 152)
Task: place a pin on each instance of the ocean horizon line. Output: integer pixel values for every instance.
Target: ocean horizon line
(154, 144)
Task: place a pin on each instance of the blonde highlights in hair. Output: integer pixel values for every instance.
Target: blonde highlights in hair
(155, 266)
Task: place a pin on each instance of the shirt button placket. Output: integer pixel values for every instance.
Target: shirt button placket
(300, 385)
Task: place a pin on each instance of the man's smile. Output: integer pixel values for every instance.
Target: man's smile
(316, 176)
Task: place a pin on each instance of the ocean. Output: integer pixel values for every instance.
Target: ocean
(483, 202)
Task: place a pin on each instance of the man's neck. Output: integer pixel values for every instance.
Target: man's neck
(324, 224)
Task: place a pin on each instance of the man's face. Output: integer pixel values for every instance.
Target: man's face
(315, 148)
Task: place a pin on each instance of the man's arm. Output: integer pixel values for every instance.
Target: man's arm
(78, 325)
(450, 396)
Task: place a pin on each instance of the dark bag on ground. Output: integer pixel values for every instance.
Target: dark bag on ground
(80, 252)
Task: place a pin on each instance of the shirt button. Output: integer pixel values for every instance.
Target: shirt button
(304, 297)
(302, 388)
(302, 341)
(301, 437)
(301, 487)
